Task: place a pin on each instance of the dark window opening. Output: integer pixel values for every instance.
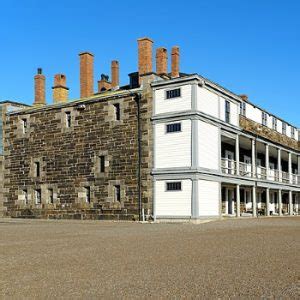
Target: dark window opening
(50, 194)
(243, 109)
(283, 128)
(174, 186)
(24, 125)
(264, 118)
(88, 194)
(274, 123)
(173, 93)
(37, 169)
(117, 111)
(175, 127)
(227, 111)
(102, 163)
(68, 119)
(38, 196)
(117, 193)
(25, 193)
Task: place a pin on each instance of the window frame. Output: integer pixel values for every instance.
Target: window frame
(167, 131)
(243, 109)
(283, 128)
(168, 93)
(227, 111)
(24, 125)
(68, 119)
(264, 118)
(102, 160)
(38, 196)
(88, 197)
(274, 123)
(117, 111)
(50, 195)
(117, 193)
(37, 169)
(173, 186)
(293, 132)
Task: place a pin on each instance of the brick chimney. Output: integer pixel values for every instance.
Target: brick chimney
(103, 83)
(115, 74)
(244, 97)
(145, 55)
(175, 62)
(60, 91)
(86, 74)
(39, 89)
(161, 61)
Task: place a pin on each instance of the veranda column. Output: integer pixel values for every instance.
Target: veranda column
(290, 167)
(290, 203)
(237, 154)
(254, 201)
(226, 201)
(253, 159)
(279, 165)
(267, 161)
(238, 201)
(268, 201)
(280, 202)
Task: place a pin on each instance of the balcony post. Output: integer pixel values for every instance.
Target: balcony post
(254, 212)
(279, 165)
(253, 158)
(237, 154)
(290, 168)
(226, 201)
(280, 202)
(268, 201)
(290, 203)
(238, 201)
(267, 161)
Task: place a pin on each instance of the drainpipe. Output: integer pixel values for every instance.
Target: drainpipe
(139, 134)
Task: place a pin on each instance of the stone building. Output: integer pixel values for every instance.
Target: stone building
(167, 145)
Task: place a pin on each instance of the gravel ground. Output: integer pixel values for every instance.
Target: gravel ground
(246, 258)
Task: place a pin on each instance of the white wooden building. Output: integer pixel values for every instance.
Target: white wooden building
(208, 164)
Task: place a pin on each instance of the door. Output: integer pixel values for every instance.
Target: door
(272, 171)
(258, 168)
(247, 166)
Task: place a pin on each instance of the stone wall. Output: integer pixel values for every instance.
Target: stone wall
(69, 161)
(268, 133)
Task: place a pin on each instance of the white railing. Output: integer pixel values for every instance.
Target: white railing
(229, 166)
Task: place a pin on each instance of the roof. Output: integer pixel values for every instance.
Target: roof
(13, 102)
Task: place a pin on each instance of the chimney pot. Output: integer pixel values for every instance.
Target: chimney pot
(161, 61)
(39, 88)
(244, 97)
(115, 74)
(103, 83)
(86, 74)
(145, 55)
(175, 62)
(60, 91)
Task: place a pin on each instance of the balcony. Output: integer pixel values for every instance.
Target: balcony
(229, 166)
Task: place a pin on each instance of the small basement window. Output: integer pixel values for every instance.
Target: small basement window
(38, 196)
(25, 194)
(117, 111)
(175, 127)
(174, 186)
(117, 193)
(68, 119)
(173, 93)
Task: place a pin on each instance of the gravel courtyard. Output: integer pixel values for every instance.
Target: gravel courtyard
(85, 259)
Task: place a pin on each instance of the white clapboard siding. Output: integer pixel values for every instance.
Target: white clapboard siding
(207, 102)
(234, 111)
(208, 194)
(208, 145)
(253, 113)
(222, 108)
(173, 149)
(173, 203)
(163, 105)
(279, 126)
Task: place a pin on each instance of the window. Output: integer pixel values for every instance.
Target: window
(243, 109)
(68, 119)
(38, 196)
(175, 127)
(102, 163)
(173, 93)
(24, 125)
(283, 128)
(25, 194)
(117, 111)
(274, 123)
(174, 186)
(117, 193)
(37, 170)
(87, 194)
(292, 132)
(227, 111)
(50, 196)
(264, 117)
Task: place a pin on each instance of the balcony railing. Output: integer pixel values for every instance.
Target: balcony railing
(229, 166)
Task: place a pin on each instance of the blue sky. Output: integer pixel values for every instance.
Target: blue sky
(250, 47)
